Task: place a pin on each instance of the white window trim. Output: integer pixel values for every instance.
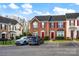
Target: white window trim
(35, 24)
(43, 23)
(41, 33)
(60, 24)
(60, 33)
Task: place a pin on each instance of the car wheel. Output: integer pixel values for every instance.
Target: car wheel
(25, 42)
(38, 44)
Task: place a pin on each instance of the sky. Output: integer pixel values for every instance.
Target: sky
(29, 10)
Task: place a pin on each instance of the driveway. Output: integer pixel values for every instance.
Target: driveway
(47, 49)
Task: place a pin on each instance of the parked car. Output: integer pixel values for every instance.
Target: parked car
(22, 41)
(35, 40)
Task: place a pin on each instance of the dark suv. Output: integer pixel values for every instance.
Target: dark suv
(35, 40)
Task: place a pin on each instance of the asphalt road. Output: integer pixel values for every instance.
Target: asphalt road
(47, 49)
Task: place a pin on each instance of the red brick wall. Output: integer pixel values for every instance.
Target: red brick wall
(47, 28)
(56, 27)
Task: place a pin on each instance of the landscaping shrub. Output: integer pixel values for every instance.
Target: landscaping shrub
(46, 38)
(77, 38)
(29, 34)
(17, 37)
(60, 38)
(68, 38)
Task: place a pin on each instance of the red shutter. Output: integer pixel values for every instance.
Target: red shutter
(74, 22)
(57, 24)
(54, 24)
(77, 22)
(40, 24)
(64, 24)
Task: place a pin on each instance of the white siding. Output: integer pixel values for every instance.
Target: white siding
(68, 31)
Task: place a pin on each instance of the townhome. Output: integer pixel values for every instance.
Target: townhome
(72, 29)
(51, 26)
(39, 25)
(57, 26)
(7, 27)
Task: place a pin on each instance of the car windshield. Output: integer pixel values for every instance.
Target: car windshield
(32, 38)
(23, 37)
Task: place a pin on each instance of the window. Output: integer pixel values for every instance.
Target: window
(51, 25)
(9, 27)
(13, 27)
(0, 26)
(5, 27)
(43, 24)
(60, 33)
(72, 22)
(60, 24)
(35, 25)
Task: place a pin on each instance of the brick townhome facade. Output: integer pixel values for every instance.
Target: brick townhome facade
(48, 26)
(54, 26)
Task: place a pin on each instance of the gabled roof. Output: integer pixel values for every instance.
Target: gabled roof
(7, 20)
(72, 15)
(58, 18)
(43, 18)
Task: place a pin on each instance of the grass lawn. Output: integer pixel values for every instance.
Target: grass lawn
(61, 41)
(7, 42)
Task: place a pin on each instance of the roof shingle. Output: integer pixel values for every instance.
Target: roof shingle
(72, 15)
(57, 18)
(7, 20)
(43, 18)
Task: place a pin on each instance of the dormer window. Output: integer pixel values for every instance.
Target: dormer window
(35, 25)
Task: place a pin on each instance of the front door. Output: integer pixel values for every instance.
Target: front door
(3, 35)
(77, 34)
(72, 34)
(52, 35)
(42, 34)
